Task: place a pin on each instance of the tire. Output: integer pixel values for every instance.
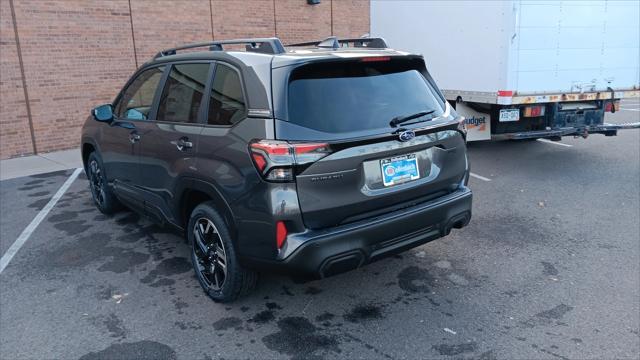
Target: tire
(102, 194)
(218, 270)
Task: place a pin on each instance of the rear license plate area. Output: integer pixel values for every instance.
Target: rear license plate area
(507, 115)
(399, 169)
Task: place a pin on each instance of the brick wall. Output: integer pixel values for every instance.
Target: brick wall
(15, 136)
(79, 53)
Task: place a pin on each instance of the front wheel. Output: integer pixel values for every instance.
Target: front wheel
(101, 193)
(214, 257)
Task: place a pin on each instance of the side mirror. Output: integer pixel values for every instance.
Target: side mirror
(103, 113)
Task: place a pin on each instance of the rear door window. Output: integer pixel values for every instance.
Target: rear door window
(227, 104)
(137, 99)
(183, 93)
(347, 97)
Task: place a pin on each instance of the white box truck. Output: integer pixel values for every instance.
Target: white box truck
(518, 69)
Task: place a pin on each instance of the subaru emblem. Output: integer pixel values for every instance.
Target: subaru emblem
(407, 135)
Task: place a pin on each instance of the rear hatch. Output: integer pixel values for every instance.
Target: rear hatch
(370, 167)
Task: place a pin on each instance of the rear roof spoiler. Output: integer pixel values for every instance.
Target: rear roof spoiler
(260, 45)
(333, 42)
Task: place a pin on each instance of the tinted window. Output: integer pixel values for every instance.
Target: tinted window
(226, 106)
(182, 93)
(353, 96)
(135, 102)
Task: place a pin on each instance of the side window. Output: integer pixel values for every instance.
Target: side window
(182, 93)
(226, 106)
(135, 102)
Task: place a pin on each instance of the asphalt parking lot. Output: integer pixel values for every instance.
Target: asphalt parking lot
(549, 267)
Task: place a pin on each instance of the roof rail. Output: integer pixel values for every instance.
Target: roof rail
(333, 42)
(259, 45)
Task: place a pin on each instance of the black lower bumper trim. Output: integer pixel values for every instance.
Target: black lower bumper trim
(331, 251)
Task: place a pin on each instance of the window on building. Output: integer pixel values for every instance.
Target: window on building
(135, 102)
(182, 94)
(227, 105)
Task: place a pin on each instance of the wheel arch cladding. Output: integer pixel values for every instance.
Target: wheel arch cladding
(87, 149)
(198, 192)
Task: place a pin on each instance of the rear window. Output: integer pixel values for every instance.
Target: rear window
(354, 96)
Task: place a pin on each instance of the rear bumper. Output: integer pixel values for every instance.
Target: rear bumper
(606, 129)
(321, 253)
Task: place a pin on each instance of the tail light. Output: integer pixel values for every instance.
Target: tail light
(278, 161)
(612, 106)
(533, 111)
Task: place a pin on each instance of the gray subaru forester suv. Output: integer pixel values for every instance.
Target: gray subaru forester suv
(315, 159)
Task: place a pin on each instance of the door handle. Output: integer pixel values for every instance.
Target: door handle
(134, 137)
(183, 144)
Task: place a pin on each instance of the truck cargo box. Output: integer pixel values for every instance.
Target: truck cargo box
(521, 69)
(527, 47)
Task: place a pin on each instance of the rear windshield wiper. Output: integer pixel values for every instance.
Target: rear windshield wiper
(404, 118)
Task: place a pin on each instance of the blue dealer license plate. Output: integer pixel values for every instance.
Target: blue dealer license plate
(399, 169)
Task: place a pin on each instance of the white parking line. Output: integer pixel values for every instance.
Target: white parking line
(630, 109)
(479, 177)
(554, 142)
(26, 233)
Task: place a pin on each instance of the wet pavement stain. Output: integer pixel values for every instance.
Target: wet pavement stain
(547, 317)
(312, 290)
(105, 292)
(457, 349)
(38, 204)
(28, 188)
(112, 324)
(59, 173)
(273, 306)
(141, 350)
(39, 194)
(325, 316)
(72, 228)
(363, 312)
(555, 313)
(34, 182)
(549, 269)
(515, 231)
(79, 254)
(63, 216)
(179, 305)
(190, 325)
(228, 323)
(263, 317)
(86, 250)
(125, 261)
(298, 338)
(128, 218)
(415, 279)
(167, 267)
